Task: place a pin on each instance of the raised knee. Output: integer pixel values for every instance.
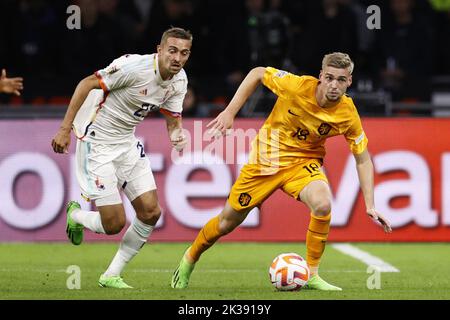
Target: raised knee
(322, 209)
(114, 227)
(151, 214)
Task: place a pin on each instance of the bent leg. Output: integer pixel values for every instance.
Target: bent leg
(135, 178)
(109, 219)
(308, 183)
(217, 227)
(251, 188)
(113, 219)
(317, 196)
(95, 173)
(147, 214)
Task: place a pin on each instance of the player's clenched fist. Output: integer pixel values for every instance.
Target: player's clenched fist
(61, 141)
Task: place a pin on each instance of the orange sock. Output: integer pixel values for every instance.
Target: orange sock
(316, 238)
(205, 238)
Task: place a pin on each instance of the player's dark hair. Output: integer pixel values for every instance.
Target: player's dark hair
(174, 32)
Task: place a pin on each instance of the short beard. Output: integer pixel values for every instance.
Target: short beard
(333, 100)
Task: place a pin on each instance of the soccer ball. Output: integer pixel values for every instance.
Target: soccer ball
(289, 272)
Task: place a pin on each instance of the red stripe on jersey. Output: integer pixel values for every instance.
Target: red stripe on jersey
(101, 82)
(170, 113)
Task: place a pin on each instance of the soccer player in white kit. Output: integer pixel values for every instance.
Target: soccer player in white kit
(103, 113)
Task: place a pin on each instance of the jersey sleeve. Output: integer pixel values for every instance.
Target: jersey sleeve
(121, 73)
(355, 136)
(282, 83)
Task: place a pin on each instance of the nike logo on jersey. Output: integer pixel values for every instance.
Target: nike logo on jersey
(313, 175)
(293, 113)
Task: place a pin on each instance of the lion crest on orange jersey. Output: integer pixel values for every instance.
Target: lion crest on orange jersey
(244, 199)
(324, 129)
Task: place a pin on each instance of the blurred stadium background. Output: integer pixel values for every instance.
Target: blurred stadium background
(401, 86)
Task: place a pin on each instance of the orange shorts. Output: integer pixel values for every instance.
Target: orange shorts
(256, 183)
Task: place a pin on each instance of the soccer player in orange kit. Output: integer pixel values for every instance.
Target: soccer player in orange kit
(288, 153)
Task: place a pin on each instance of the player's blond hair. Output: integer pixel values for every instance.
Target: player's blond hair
(174, 32)
(338, 60)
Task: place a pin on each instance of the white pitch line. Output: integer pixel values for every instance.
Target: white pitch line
(365, 257)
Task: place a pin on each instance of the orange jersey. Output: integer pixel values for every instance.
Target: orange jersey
(297, 127)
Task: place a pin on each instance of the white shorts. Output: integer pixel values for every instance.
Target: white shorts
(104, 169)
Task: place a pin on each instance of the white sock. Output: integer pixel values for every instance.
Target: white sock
(89, 219)
(134, 239)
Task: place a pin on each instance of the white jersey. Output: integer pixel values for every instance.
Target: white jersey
(131, 88)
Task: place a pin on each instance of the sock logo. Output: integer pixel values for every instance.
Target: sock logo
(244, 199)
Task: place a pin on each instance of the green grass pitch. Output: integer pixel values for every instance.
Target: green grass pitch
(228, 271)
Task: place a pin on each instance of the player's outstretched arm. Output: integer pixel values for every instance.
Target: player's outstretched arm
(61, 141)
(10, 85)
(364, 166)
(225, 119)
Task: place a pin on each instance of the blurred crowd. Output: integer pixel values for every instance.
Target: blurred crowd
(230, 37)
